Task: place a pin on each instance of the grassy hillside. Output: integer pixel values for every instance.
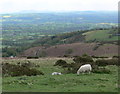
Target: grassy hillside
(107, 35)
(60, 83)
(87, 36)
(101, 35)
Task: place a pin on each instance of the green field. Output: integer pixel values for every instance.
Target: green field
(100, 35)
(60, 83)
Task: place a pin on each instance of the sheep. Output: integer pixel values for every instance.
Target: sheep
(56, 73)
(84, 68)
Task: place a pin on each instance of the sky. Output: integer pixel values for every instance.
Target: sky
(11, 6)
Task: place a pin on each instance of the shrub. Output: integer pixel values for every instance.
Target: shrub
(60, 63)
(69, 51)
(27, 64)
(32, 57)
(17, 70)
(95, 67)
(82, 59)
(101, 70)
(101, 62)
(107, 62)
(42, 54)
(73, 67)
(93, 56)
(95, 47)
(99, 56)
(84, 55)
(115, 56)
(66, 56)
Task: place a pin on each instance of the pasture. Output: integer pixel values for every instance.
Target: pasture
(100, 35)
(93, 82)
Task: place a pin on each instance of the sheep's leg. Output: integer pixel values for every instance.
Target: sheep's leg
(89, 72)
(78, 72)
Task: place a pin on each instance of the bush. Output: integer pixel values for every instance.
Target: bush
(42, 54)
(82, 59)
(26, 64)
(95, 47)
(69, 51)
(60, 63)
(99, 56)
(32, 57)
(17, 70)
(85, 59)
(73, 67)
(107, 62)
(116, 57)
(101, 71)
(66, 55)
(102, 63)
(95, 67)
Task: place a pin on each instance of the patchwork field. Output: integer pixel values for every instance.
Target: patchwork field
(93, 82)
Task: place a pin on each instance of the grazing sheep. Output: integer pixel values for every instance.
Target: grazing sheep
(84, 68)
(56, 73)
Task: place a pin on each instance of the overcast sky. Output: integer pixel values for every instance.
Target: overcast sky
(57, 5)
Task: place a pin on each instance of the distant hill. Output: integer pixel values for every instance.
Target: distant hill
(101, 36)
(25, 28)
(92, 42)
(74, 49)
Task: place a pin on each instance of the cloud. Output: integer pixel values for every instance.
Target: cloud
(55, 5)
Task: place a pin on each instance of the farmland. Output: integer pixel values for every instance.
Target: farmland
(32, 43)
(32, 26)
(23, 31)
(93, 82)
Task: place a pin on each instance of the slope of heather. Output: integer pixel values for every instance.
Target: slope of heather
(73, 50)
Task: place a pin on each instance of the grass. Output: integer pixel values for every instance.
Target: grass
(99, 35)
(60, 83)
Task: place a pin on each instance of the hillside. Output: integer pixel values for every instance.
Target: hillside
(92, 42)
(101, 36)
(20, 29)
(23, 31)
(88, 36)
(73, 49)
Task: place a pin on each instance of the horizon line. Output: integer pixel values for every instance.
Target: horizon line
(59, 11)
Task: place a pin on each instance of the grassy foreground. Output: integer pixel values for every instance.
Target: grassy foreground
(60, 83)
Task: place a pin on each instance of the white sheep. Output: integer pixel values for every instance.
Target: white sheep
(56, 73)
(84, 68)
